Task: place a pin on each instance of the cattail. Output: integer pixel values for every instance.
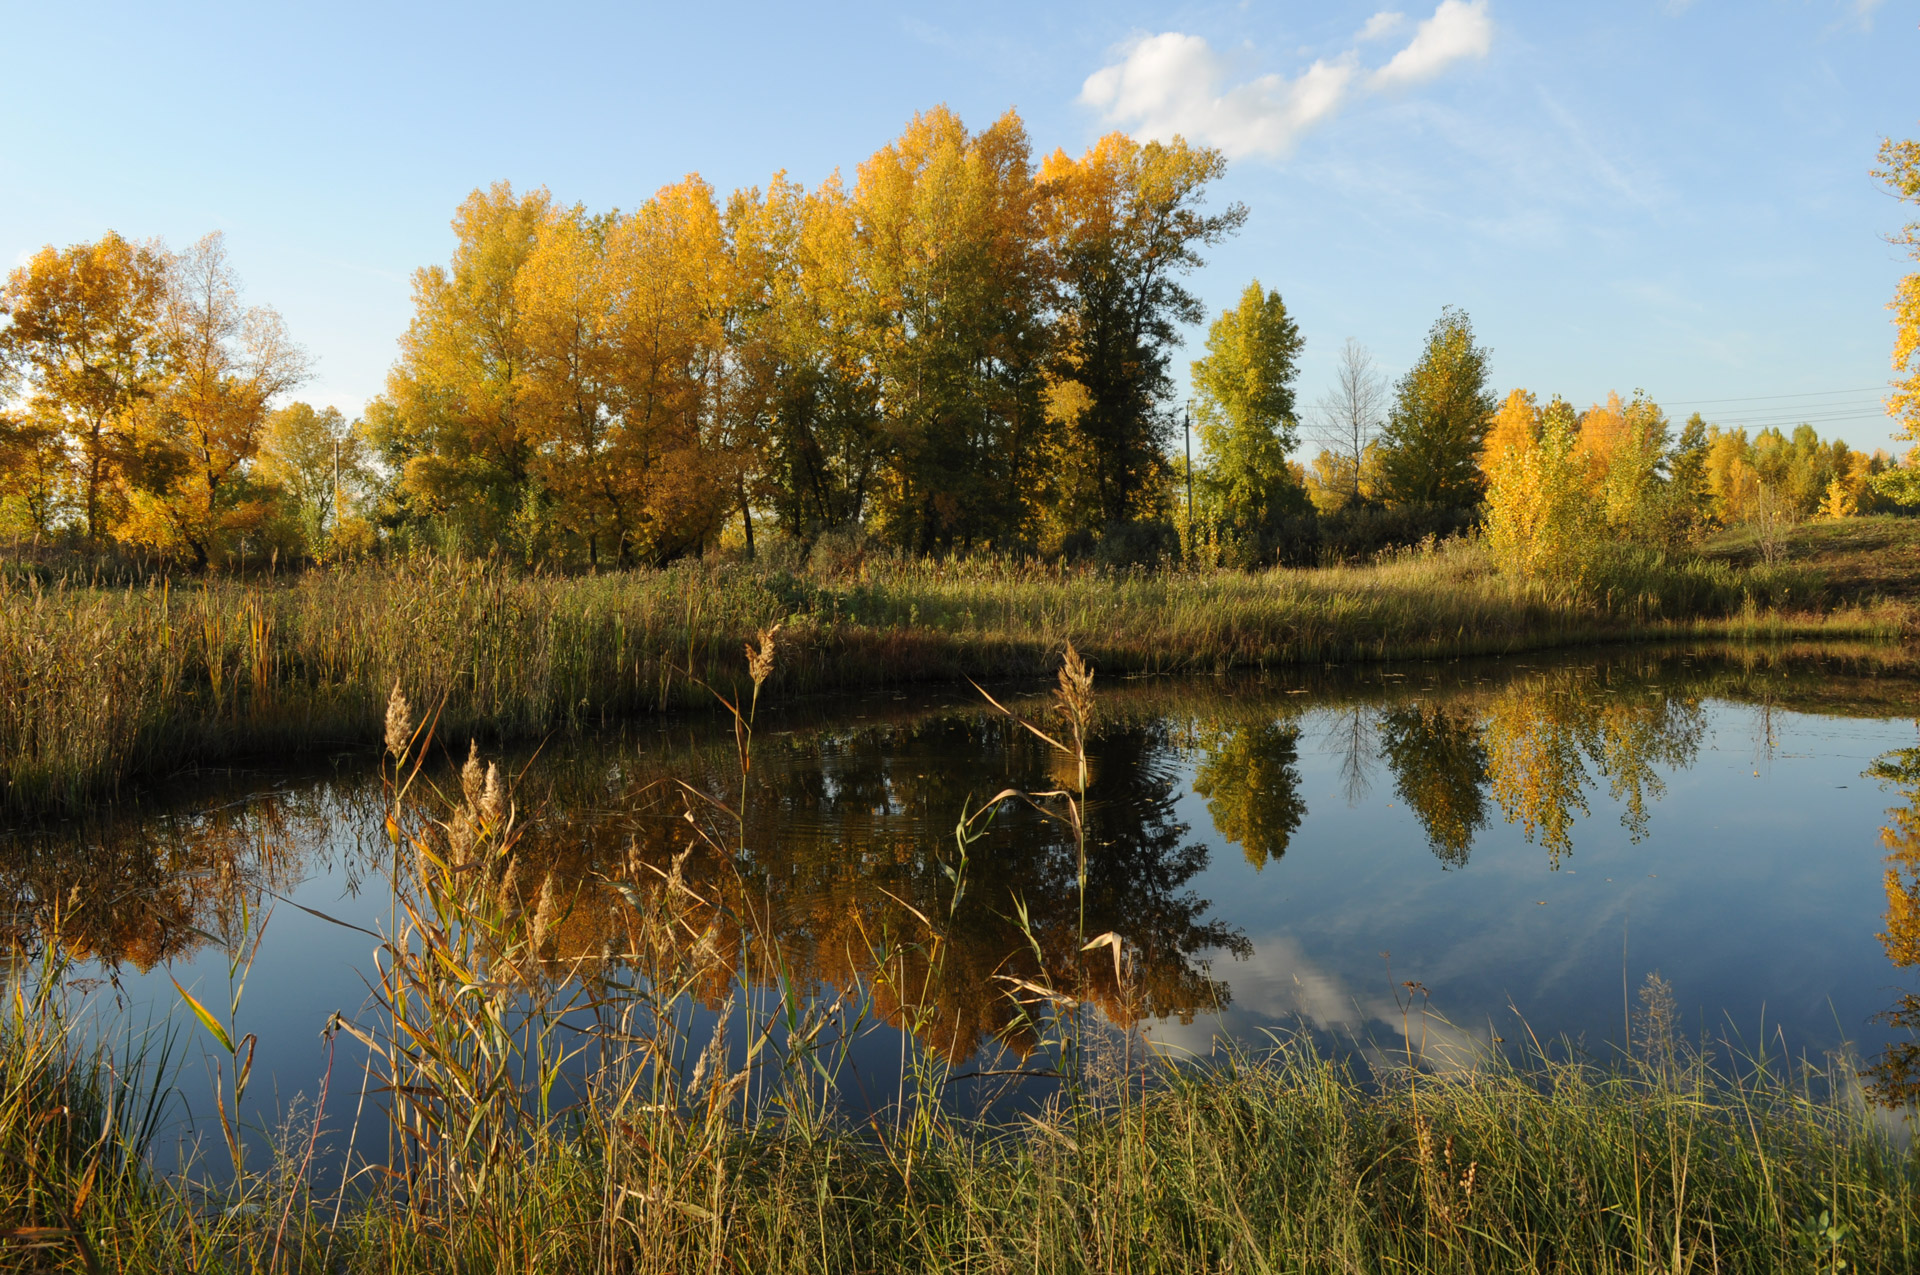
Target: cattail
(470, 777)
(504, 899)
(399, 723)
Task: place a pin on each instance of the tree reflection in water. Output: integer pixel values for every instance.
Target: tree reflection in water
(1251, 781)
(142, 892)
(840, 855)
(1894, 1077)
(846, 838)
(1439, 770)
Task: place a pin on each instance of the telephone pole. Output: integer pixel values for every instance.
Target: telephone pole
(1186, 430)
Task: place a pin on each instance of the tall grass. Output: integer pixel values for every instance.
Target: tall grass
(100, 685)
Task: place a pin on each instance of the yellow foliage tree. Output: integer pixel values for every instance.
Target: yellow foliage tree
(84, 327)
(229, 362)
(1900, 170)
(1512, 435)
(1540, 519)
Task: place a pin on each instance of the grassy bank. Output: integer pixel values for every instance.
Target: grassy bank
(99, 686)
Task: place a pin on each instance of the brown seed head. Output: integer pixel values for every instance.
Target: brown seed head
(460, 839)
(1075, 696)
(760, 662)
(493, 797)
(470, 777)
(399, 723)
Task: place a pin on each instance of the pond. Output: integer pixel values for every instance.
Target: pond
(1446, 857)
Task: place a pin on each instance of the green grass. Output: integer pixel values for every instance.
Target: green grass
(102, 685)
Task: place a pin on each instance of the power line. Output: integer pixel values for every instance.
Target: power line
(1763, 398)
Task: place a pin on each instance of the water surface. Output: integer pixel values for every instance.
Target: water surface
(1464, 853)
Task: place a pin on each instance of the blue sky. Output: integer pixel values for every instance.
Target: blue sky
(1644, 193)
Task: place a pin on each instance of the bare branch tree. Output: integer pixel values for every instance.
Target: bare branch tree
(1348, 417)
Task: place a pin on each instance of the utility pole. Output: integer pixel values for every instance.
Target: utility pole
(1186, 429)
(336, 478)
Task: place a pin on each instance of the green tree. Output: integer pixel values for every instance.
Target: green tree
(1244, 404)
(1440, 771)
(1688, 495)
(1442, 407)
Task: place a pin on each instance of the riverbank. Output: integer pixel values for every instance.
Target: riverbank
(99, 687)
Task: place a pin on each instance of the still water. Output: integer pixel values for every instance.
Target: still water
(1473, 852)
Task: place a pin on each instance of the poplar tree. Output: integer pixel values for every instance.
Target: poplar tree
(1440, 416)
(1244, 405)
(1124, 223)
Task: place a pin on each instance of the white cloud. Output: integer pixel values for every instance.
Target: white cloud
(1456, 30)
(1174, 83)
(1384, 23)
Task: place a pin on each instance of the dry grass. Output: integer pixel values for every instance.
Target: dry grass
(99, 686)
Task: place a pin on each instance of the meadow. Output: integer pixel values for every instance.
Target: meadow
(101, 685)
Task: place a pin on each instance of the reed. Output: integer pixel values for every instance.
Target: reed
(99, 686)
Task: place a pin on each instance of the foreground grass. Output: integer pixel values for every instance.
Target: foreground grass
(1288, 1162)
(98, 686)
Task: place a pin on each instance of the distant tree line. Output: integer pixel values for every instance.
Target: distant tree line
(962, 350)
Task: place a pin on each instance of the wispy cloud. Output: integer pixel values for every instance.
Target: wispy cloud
(1455, 32)
(1861, 13)
(1382, 24)
(1174, 83)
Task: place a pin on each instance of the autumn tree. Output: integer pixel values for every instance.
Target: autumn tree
(450, 422)
(666, 476)
(318, 464)
(36, 474)
(1900, 171)
(1124, 224)
(84, 331)
(1432, 440)
(950, 248)
(1542, 521)
(1511, 435)
(1624, 449)
(228, 363)
(804, 391)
